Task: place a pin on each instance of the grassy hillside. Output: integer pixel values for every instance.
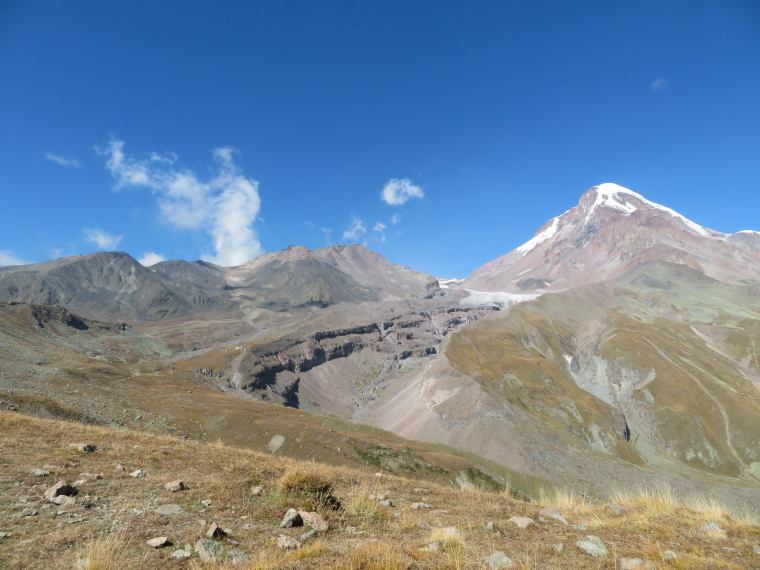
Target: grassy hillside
(114, 514)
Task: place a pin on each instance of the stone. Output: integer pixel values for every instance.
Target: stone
(175, 486)
(137, 474)
(183, 553)
(559, 547)
(206, 503)
(84, 447)
(712, 528)
(552, 513)
(119, 467)
(27, 512)
(237, 557)
(592, 545)
(308, 534)
(499, 560)
(60, 488)
(168, 509)
(423, 524)
(314, 520)
(6, 534)
(420, 490)
(420, 506)
(669, 556)
(617, 509)
(214, 531)
(80, 482)
(630, 563)
(39, 472)
(210, 550)
(159, 542)
(521, 522)
(292, 518)
(385, 503)
(490, 526)
(284, 541)
(257, 491)
(434, 546)
(64, 500)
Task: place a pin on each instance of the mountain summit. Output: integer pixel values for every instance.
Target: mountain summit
(610, 232)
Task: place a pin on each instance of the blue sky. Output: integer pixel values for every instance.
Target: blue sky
(440, 134)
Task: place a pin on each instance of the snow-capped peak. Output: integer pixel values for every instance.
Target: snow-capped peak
(618, 198)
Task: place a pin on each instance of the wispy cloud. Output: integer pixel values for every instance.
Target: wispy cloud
(7, 257)
(150, 258)
(327, 232)
(355, 231)
(104, 240)
(398, 191)
(225, 207)
(396, 218)
(379, 227)
(659, 84)
(62, 160)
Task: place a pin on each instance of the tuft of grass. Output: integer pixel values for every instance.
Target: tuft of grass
(375, 555)
(450, 539)
(565, 499)
(108, 552)
(310, 483)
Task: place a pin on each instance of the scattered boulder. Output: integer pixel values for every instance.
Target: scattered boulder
(237, 557)
(551, 513)
(314, 520)
(521, 522)
(185, 552)
(84, 447)
(385, 503)
(137, 474)
(712, 528)
(39, 472)
(592, 545)
(669, 556)
(214, 531)
(168, 509)
(292, 518)
(64, 500)
(175, 486)
(257, 491)
(210, 550)
(206, 503)
(490, 526)
(284, 541)
(119, 467)
(308, 534)
(559, 547)
(6, 534)
(499, 560)
(60, 488)
(420, 506)
(422, 524)
(159, 542)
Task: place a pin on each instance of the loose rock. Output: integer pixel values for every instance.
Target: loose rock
(420, 506)
(385, 503)
(552, 513)
(499, 560)
(39, 472)
(559, 547)
(314, 520)
(84, 447)
(159, 542)
(170, 509)
(206, 502)
(630, 563)
(521, 522)
(137, 474)
(237, 557)
(257, 491)
(60, 488)
(175, 486)
(712, 528)
(669, 556)
(210, 550)
(592, 545)
(309, 534)
(292, 518)
(756, 549)
(214, 531)
(490, 526)
(64, 500)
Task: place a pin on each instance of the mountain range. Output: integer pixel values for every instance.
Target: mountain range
(618, 345)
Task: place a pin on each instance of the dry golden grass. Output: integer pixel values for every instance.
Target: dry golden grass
(376, 555)
(565, 499)
(108, 552)
(450, 538)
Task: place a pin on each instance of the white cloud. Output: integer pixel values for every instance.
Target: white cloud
(395, 219)
(355, 231)
(225, 207)
(150, 258)
(659, 84)
(104, 240)
(62, 160)
(327, 232)
(7, 257)
(380, 229)
(397, 191)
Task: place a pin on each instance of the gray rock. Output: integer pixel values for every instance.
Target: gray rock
(39, 472)
(292, 518)
(64, 500)
(175, 486)
(159, 542)
(237, 557)
(307, 535)
(27, 512)
(84, 447)
(552, 513)
(712, 527)
(284, 541)
(490, 526)
(206, 502)
(314, 520)
(499, 560)
(214, 531)
(210, 550)
(521, 522)
(423, 524)
(592, 545)
(169, 509)
(420, 506)
(728, 549)
(257, 491)
(119, 467)
(182, 553)
(420, 490)
(6, 534)
(386, 503)
(580, 527)
(60, 488)
(137, 474)
(669, 556)
(559, 547)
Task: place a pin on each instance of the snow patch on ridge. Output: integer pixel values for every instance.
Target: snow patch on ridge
(444, 283)
(500, 299)
(548, 233)
(613, 196)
